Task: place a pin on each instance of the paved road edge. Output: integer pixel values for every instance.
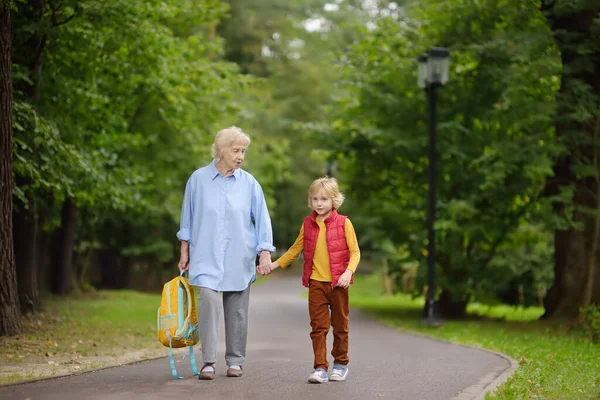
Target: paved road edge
(490, 382)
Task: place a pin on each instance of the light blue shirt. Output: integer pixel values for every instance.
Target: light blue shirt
(226, 222)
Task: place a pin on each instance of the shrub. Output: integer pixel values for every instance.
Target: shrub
(590, 320)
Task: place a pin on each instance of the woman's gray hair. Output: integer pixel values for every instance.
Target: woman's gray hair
(225, 138)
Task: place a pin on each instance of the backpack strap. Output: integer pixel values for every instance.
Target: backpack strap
(180, 308)
(184, 320)
(172, 360)
(193, 361)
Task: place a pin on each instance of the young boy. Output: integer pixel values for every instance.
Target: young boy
(331, 255)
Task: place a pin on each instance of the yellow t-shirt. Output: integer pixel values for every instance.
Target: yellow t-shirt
(320, 268)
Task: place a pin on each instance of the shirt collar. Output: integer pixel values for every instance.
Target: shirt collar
(214, 172)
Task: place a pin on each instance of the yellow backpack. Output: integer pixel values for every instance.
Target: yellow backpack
(178, 319)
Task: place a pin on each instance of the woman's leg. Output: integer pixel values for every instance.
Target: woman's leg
(235, 306)
(318, 309)
(209, 313)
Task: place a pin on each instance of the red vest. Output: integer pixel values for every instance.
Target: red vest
(337, 248)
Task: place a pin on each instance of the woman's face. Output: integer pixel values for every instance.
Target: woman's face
(234, 156)
(321, 203)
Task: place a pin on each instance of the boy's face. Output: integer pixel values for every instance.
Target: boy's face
(321, 203)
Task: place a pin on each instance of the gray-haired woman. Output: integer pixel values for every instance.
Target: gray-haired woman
(225, 224)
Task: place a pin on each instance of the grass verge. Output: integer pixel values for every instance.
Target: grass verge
(556, 360)
(83, 332)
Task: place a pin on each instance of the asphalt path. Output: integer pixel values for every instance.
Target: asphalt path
(385, 363)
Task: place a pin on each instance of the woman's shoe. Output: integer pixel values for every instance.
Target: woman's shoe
(207, 373)
(235, 372)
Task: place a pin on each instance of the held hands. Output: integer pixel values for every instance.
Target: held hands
(264, 263)
(267, 269)
(344, 280)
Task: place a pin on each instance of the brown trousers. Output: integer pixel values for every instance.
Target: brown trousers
(322, 298)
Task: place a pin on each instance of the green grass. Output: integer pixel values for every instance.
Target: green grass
(556, 360)
(69, 329)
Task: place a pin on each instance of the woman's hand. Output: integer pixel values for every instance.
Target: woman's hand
(345, 279)
(263, 263)
(184, 263)
(265, 258)
(184, 258)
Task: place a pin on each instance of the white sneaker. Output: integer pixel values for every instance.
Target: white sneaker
(318, 376)
(339, 373)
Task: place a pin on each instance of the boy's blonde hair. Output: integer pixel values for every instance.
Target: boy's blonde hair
(225, 138)
(330, 188)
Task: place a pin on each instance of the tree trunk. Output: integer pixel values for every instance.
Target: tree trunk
(42, 257)
(577, 258)
(10, 317)
(25, 246)
(114, 270)
(25, 227)
(447, 307)
(61, 266)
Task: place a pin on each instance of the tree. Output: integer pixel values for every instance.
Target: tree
(575, 185)
(129, 96)
(27, 56)
(495, 149)
(10, 320)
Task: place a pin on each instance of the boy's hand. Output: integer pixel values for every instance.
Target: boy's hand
(273, 266)
(344, 280)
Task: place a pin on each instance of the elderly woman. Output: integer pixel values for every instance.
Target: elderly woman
(225, 224)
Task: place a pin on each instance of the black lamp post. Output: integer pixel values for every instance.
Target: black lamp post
(433, 73)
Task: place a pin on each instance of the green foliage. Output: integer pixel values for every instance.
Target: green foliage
(576, 29)
(590, 317)
(270, 39)
(495, 149)
(128, 100)
(41, 158)
(130, 96)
